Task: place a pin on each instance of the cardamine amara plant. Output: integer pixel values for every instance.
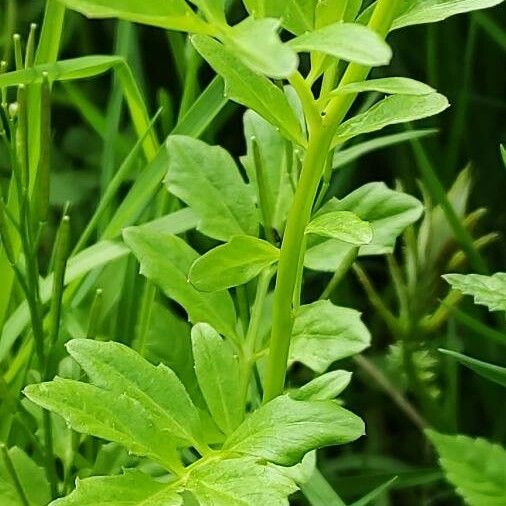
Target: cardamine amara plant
(205, 414)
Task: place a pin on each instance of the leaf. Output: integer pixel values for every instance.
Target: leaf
(213, 9)
(324, 333)
(391, 111)
(490, 371)
(276, 162)
(342, 225)
(257, 44)
(166, 260)
(349, 155)
(250, 89)
(208, 180)
(346, 41)
(374, 494)
(388, 212)
(489, 291)
(475, 467)
(388, 85)
(32, 479)
(62, 70)
(239, 481)
(416, 12)
(284, 430)
(232, 264)
(133, 488)
(297, 16)
(118, 368)
(173, 15)
(326, 386)
(219, 377)
(107, 415)
(168, 341)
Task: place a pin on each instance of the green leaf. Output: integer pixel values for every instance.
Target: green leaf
(326, 386)
(346, 41)
(416, 12)
(391, 111)
(489, 291)
(208, 180)
(475, 467)
(62, 70)
(166, 260)
(213, 9)
(388, 85)
(168, 341)
(490, 371)
(32, 479)
(218, 375)
(297, 16)
(107, 415)
(239, 481)
(173, 15)
(118, 368)
(349, 155)
(343, 225)
(324, 333)
(284, 430)
(276, 162)
(374, 494)
(133, 488)
(232, 264)
(250, 89)
(257, 44)
(389, 212)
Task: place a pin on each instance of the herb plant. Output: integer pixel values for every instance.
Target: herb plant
(183, 397)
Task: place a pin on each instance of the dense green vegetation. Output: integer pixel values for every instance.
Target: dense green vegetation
(251, 252)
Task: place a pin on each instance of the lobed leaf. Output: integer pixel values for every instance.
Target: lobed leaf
(475, 467)
(133, 488)
(343, 225)
(284, 430)
(240, 481)
(107, 415)
(116, 367)
(346, 41)
(324, 333)
(489, 291)
(207, 179)
(219, 377)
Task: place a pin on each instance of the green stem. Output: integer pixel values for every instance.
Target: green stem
(51, 32)
(251, 338)
(320, 141)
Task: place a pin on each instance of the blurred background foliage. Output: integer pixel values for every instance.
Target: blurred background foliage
(463, 58)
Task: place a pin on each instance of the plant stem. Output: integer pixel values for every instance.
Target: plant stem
(319, 144)
(369, 368)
